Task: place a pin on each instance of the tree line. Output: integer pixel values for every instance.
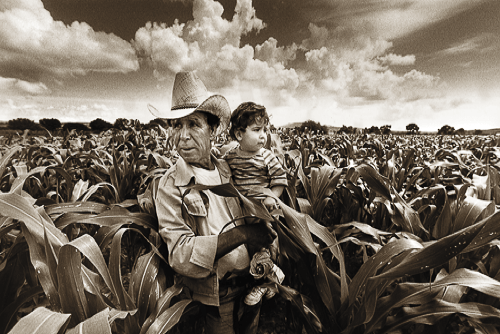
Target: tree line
(98, 124)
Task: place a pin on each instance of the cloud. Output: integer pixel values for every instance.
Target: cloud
(15, 86)
(388, 19)
(397, 60)
(485, 42)
(35, 46)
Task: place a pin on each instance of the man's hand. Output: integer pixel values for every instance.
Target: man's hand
(257, 236)
(260, 235)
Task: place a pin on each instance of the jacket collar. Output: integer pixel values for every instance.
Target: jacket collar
(184, 171)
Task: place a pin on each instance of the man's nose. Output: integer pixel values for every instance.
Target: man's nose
(184, 133)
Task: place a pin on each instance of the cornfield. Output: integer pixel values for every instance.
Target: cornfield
(377, 234)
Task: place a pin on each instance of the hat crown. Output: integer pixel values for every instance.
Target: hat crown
(188, 91)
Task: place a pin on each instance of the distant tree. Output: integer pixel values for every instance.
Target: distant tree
(157, 121)
(50, 124)
(385, 129)
(99, 124)
(374, 129)
(346, 129)
(75, 126)
(478, 132)
(23, 124)
(446, 130)
(460, 132)
(124, 124)
(412, 128)
(313, 126)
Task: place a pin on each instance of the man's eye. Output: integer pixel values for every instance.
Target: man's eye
(177, 125)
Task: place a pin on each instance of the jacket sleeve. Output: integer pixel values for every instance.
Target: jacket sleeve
(188, 254)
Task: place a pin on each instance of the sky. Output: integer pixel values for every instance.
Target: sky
(357, 63)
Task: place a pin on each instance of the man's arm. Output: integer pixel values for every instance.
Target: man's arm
(256, 235)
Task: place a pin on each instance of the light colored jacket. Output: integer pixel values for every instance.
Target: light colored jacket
(184, 227)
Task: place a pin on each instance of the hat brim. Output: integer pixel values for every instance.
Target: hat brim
(216, 105)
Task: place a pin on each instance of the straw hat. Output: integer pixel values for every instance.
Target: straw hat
(189, 94)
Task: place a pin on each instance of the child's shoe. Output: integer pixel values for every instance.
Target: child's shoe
(255, 295)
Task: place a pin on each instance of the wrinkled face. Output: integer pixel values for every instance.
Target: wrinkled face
(253, 138)
(192, 139)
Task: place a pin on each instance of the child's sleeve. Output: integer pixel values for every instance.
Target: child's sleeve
(276, 172)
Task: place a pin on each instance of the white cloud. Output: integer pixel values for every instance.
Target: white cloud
(36, 45)
(389, 19)
(9, 86)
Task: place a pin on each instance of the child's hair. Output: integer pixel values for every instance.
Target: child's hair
(246, 114)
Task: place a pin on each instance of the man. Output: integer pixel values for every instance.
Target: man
(211, 262)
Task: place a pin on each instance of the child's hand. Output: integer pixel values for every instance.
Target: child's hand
(270, 203)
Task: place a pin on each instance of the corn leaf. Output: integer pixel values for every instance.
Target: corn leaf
(9, 313)
(169, 318)
(301, 303)
(17, 207)
(6, 157)
(97, 324)
(78, 207)
(472, 210)
(126, 302)
(89, 248)
(42, 321)
(421, 293)
(39, 261)
(380, 259)
(436, 253)
(69, 271)
(141, 282)
(432, 312)
(162, 305)
(299, 231)
(119, 215)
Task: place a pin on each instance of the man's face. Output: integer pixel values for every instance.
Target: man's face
(192, 139)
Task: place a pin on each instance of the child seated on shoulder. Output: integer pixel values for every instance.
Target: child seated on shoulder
(253, 165)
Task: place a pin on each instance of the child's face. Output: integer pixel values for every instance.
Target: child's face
(253, 138)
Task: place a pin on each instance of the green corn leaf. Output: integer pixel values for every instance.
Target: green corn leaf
(51, 258)
(119, 215)
(299, 232)
(329, 239)
(18, 183)
(9, 313)
(69, 271)
(438, 252)
(301, 303)
(471, 211)
(162, 305)
(375, 181)
(42, 321)
(76, 207)
(489, 232)
(97, 324)
(17, 207)
(89, 248)
(421, 293)
(169, 318)
(6, 157)
(11, 278)
(432, 312)
(39, 261)
(126, 302)
(141, 282)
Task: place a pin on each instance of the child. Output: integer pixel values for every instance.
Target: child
(253, 165)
